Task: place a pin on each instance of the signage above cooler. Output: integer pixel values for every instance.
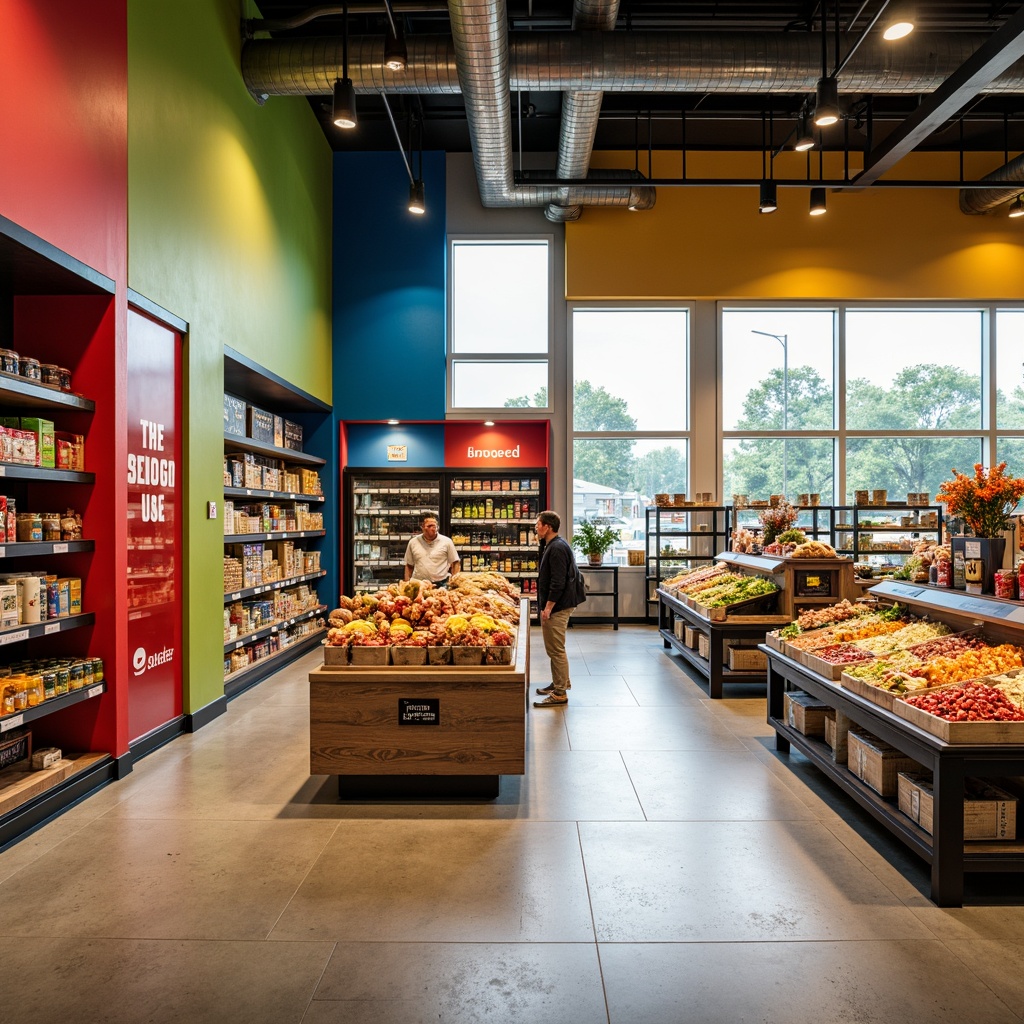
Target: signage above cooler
(470, 446)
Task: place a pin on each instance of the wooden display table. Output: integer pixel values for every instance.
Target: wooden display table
(803, 583)
(950, 763)
(436, 730)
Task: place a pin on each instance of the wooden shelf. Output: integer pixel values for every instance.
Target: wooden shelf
(232, 442)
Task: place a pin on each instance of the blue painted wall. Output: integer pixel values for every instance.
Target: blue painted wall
(368, 445)
(389, 289)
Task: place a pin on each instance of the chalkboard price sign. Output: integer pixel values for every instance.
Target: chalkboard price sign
(419, 711)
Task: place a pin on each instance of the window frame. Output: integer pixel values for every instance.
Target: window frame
(451, 358)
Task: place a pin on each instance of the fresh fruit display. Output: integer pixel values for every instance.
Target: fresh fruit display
(914, 633)
(858, 629)
(969, 702)
(694, 576)
(482, 610)
(970, 665)
(841, 654)
(949, 646)
(1011, 685)
(745, 588)
(815, 618)
(888, 673)
(696, 589)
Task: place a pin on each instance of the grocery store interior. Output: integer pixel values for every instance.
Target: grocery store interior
(734, 288)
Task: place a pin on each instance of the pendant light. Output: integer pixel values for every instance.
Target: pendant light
(898, 22)
(417, 197)
(804, 133)
(826, 105)
(343, 112)
(769, 202)
(817, 202)
(396, 56)
(1016, 208)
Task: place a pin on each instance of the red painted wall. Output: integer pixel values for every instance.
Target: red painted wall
(64, 111)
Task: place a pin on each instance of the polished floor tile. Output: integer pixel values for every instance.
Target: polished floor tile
(797, 983)
(444, 881)
(659, 861)
(687, 727)
(125, 981)
(691, 785)
(714, 881)
(422, 983)
(163, 879)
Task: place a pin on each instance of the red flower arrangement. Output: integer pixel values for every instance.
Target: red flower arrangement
(984, 502)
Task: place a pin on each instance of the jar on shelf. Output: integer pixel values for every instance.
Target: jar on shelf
(64, 375)
(49, 374)
(9, 360)
(30, 526)
(51, 526)
(30, 369)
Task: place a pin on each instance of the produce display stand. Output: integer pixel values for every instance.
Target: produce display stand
(429, 731)
(803, 582)
(951, 763)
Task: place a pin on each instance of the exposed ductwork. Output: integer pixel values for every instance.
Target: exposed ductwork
(484, 62)
(581, 111)
(985, 200)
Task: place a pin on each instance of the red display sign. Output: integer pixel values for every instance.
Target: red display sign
(503, 446)
(154, 528)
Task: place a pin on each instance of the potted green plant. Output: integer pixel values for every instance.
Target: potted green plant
(593, 540)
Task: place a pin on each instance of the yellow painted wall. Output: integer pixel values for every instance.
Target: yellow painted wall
(711, 242)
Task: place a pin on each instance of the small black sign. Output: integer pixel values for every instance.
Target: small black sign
(419, 710)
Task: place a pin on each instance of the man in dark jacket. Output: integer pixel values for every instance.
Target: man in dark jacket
(556, 600)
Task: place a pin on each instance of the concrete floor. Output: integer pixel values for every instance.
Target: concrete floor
(658, 862)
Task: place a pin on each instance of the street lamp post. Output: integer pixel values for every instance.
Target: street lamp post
(783, 340)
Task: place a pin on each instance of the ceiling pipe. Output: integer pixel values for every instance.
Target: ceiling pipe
(640, 62)
(985, 200)
(482, 56)
(581, 111)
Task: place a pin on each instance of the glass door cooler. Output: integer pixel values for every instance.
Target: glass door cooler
(383, 510)
(491, 519)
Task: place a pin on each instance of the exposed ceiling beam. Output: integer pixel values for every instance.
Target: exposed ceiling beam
(996, 54)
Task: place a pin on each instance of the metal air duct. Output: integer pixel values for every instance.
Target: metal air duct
(984, 200)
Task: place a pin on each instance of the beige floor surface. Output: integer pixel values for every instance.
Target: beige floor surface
(658, 862)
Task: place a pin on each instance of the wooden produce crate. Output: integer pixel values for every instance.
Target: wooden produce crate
(989, 812)
(876, 763)
(746, 659)
(752, 606)
(861, 687)
(804, 713)
(829, 669)
(690, 637)
(957, 732)
(837, 729)
(703, 645)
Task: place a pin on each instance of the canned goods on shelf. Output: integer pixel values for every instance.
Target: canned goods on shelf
(9, 361)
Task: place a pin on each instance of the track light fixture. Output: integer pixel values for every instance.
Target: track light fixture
(826, 105)
(396, 56)
(898, 22)
(344, 108)
(817, 202)
(1016, 208)
(769, 202)
(804, 133)
(343, 112)
(417, 197)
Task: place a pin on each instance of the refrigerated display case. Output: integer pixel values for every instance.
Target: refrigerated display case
(384, 515)
(489, 517)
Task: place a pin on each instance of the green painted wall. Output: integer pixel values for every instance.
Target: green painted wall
(229, 228)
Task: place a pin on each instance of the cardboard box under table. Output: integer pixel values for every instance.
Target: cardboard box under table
(804, 713)
(876, 763)
(989, 812)
(431, 730)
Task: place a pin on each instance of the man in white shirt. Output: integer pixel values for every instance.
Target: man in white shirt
(432, 555)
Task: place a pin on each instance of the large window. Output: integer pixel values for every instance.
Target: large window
(859, 397)
(500, 324)
(629, 414)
